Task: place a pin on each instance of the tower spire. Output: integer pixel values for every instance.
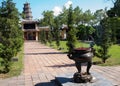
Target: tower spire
(27, 11)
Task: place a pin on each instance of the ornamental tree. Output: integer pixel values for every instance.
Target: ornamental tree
(57, 31)
(11, 34)
(104, 41)
(71, 34)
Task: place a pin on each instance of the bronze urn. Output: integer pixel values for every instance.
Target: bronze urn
(81, 55)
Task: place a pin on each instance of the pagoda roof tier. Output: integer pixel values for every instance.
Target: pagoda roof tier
(29, 21)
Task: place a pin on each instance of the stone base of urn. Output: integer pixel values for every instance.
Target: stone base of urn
(82, 78)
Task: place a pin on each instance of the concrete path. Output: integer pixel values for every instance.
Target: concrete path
(42, 64)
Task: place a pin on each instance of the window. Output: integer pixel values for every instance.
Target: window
(29, 26)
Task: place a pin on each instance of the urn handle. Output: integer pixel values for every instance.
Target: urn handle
(70, 55)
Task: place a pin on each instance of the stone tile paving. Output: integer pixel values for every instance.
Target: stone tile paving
(42, 64)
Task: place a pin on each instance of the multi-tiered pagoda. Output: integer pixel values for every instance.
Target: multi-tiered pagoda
(29, 26)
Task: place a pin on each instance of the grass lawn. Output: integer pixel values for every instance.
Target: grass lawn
(64, 48)
(115, 55)
(114, 51)
(16, 67)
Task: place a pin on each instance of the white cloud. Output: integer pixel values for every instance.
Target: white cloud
(67, 4)
(57, 10)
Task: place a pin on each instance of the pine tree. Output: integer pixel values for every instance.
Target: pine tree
(104, 40)
(11, 35)
(117, 7)
(49, 37)
(71, 35)
(57, 31)
(43, 36)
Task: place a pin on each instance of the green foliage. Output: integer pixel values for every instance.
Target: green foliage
(113, 51)
(114, 26)
(104, 41)
(77, 14)
(71, 35)
(78, 18)
(102, 53)
(63, 17)
(49, 37)
(83, 32)
(114, 15)
(113, 60)
(115, 55)
(98, 16)
(1, 48)
(15, 67)
(113, 23)
(117, 7)
(48, 18)
(108, 32)
(1, 51)
(11, 35)
(22, 15)
(111, 12)
(43, 37)
(117, 25)
(87, 17)
(57, 31)
(64, 47)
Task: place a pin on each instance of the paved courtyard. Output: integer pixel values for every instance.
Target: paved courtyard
(42, 64)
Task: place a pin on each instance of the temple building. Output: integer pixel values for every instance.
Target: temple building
(29, 26)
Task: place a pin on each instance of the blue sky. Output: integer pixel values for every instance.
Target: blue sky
(38, 6)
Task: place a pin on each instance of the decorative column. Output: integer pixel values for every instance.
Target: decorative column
(37, 36)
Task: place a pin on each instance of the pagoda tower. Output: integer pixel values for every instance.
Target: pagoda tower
(30, 26)
(27, 11)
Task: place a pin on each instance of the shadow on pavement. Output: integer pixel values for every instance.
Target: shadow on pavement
(44, 53)
(67, 65)
(63, 65)
(52, 83)
(39, 48)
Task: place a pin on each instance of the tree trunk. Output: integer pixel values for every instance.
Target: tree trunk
(104, 60)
